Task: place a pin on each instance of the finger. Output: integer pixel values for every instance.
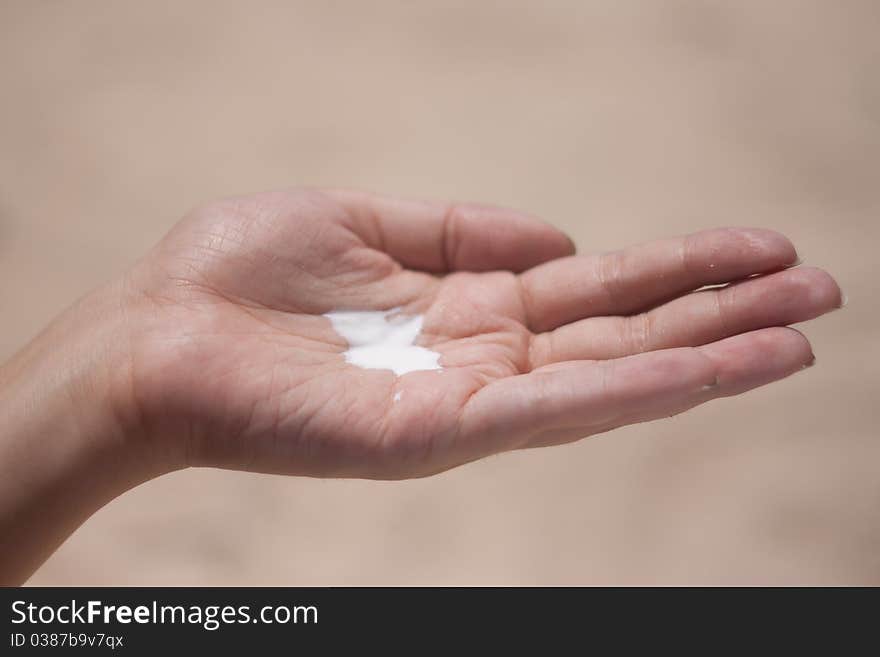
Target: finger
(624, 282)
(787, 297)
(571, 400)
(443, 237)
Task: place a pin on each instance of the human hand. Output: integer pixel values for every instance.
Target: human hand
(213, 349)
(232, 364)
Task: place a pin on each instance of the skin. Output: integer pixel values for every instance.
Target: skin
(212, 351)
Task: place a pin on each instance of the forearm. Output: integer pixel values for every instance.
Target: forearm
(64, 452)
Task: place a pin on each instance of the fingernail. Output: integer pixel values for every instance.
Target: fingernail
(843, 300)
(798, 261)
(810, 362)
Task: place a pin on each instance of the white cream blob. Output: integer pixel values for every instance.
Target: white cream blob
(383, 340)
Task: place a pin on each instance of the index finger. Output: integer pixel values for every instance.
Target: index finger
(639, 277)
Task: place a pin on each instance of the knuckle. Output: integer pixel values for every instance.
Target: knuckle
(638, 333)
(610, 273)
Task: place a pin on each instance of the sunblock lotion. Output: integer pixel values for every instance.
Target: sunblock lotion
(383, 340)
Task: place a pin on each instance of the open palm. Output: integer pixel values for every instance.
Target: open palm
(233, 364)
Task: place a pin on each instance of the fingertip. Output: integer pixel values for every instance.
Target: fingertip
(785, 340)
(568, 248)
(771, 244)
(822, 289)
(756, 358)
(491, 237)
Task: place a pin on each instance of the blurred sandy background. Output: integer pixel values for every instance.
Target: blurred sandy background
(618, 121)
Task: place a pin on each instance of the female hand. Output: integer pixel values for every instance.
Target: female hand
(213, 350)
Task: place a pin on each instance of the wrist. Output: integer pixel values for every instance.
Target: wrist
(66, 444)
